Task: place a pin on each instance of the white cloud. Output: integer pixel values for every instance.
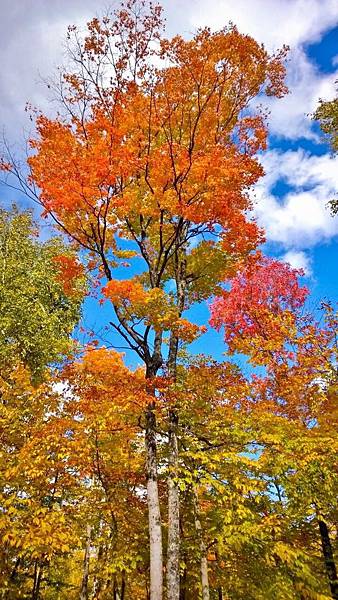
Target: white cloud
(290, 117)
(40, 26)
(291, 22)
(31, 45)
(298, 260)
(300, 219)
(300, 169)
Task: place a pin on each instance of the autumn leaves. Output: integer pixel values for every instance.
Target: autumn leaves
(183, 469)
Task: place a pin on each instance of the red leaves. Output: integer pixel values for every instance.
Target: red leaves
(258, 312)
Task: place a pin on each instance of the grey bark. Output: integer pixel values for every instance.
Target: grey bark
(154, 512)
(173, 556)
(85, 572)
(37, 580)
(173, 552)
(202, 548)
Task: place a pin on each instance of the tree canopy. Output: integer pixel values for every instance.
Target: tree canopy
(183, 477)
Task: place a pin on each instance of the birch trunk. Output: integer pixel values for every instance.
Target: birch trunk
(98, 579)
(85, 574)
(203, 550)
(173, 556)
(173, 553)
(37, 581)
(154, 513)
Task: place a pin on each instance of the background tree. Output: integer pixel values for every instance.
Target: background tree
(327, 116)
(263, 315)
(36, 321)
(37, 315)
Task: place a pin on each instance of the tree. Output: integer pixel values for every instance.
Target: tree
(37, 318)
(37, 313)
(327, 116)
(263, 315)
(157, 160)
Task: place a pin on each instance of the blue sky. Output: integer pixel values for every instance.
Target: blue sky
(301, 175)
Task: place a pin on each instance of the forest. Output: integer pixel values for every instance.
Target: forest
(134, 463)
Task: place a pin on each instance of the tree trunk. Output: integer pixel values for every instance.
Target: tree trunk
(85, 573)
(14, 573)
(37, 581)
(98, 580)
(328, 558)
(203, 550)
(123, 585)
(183, 584)
(173, 552)
(154, 513)
(173, 556)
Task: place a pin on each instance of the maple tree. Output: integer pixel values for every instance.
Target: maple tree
(147, 170)
(158, 156)
(263, 315)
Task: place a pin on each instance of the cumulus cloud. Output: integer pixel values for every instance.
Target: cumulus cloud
(291, 22)
(300, 217)
(31, 35)
(290, 117)
(298, 260)
(31, 46)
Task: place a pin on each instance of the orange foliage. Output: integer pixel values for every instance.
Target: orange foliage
(70, 270)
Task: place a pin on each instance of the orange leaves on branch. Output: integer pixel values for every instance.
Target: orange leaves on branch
(186, 330)
(129, 290)
(252, 134)
(103, 376)
(5, 166)
(154, 306)
(70, 271)
(180, 144)
(92, 160)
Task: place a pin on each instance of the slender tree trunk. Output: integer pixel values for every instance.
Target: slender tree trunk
(154, 513)
(330, 565)
(98, 580)
(183, 584)
(219, 589)
(37, 580)
(119, 593)
(173, 556)
(203, 550)
(123, 585)
(85, 573)
(14, 573)
(184, 574)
